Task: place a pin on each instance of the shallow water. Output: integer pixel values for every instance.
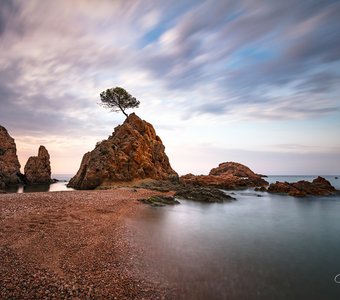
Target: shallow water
(54, 187)
(58, 186)
(262, 246)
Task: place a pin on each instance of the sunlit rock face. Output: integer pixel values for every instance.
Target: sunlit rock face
(38, 168)
(9, 163)
(133, 151)
(228, 175)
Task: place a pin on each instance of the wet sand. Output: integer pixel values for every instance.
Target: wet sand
(73, 245)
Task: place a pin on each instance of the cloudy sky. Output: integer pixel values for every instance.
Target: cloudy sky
(252, 81)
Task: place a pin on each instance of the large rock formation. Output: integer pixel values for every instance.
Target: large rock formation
(133, 151)
(9, 163)
(228, 175)
(318, 187)
(38, 168)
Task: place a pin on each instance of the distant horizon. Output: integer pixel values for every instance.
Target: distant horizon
(272, 175)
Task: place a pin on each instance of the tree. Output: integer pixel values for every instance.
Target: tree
(118, 99)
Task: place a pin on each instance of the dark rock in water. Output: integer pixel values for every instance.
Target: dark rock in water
(228, 175)
(38, 168)
(133, 152)
(160, 200)
(336, 177)
(9, 163)
(318, 187)
(260, 189)
(159, 185)
(203, 194)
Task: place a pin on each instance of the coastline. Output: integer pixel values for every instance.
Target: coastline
(73, 245)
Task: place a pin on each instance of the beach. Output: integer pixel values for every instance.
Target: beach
(73, 245)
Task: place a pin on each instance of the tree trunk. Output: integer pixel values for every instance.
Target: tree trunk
(125, 113)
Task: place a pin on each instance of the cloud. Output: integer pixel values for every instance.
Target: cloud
(247, 46)
(240, 51)
(7, 12)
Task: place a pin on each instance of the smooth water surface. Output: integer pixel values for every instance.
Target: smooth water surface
(54, 187)
(262, 246)
(58, 186)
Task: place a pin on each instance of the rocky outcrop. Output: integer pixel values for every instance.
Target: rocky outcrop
(228, 175)
(156, 201)
(132, 152)
(203, 194)
(38, 168)
(9, 163)
(318, 187)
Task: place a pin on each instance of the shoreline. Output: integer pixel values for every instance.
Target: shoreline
(73, 244)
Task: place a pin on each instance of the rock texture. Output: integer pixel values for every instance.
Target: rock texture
(133, 151)
(38, 168)
(203, 194)
(9, 163)
(318, 187)
(228, 175)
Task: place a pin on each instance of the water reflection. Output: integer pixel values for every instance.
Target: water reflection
(58, 186)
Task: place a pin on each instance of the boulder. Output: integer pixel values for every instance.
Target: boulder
(228, 175)
(9, 163)
(318, 187)
(203, 194)
(132, 152)
(160, 201)
(38, 168)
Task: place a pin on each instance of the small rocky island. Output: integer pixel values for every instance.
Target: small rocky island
(133, 152)
(38, 168)
(318, 187)
(228, 175)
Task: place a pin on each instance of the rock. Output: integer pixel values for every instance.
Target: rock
(285, 188)
(132, 152)
(38, 168)
(160, 200)
(203, 194)
(228, 175)
(260, 189)
(9, 163)
(158, 185)
(318, 187)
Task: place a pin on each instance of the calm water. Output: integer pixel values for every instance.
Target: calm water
(58, 186)
(268, 247)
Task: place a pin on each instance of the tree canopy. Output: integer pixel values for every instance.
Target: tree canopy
(118, 99)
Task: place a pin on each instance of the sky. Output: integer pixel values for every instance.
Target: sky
(251, 81)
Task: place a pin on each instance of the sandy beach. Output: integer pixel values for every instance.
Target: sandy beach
(73, 245)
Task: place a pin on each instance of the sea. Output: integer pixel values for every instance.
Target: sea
(61, 185)
(261, 246)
